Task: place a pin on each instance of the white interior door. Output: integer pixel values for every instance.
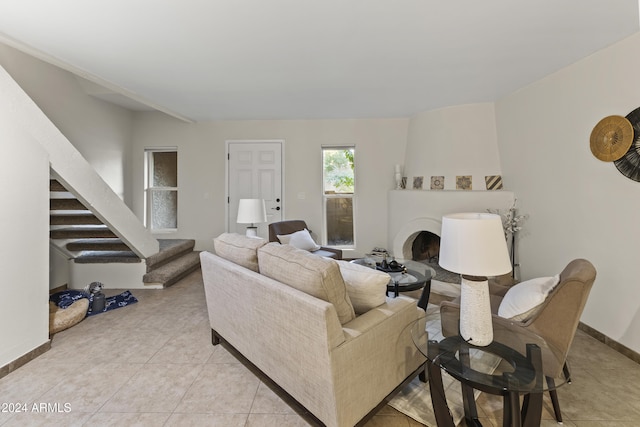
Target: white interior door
(254, 172)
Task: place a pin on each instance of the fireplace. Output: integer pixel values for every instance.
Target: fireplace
(414, 213)
(425, 247)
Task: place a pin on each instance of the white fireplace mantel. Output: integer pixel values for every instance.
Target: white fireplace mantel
(413, 211)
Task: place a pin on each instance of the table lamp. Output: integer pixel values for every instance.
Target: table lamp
(251, 211)
(474, 245)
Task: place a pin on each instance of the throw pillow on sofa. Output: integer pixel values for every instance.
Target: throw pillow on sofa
(317, 276)
(300, 239)
(239, 249)
(523, 299)
(367, 288)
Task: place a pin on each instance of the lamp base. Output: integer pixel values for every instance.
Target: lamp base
(252, 231)
(476, 326)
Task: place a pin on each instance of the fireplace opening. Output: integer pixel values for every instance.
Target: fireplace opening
(426, 247)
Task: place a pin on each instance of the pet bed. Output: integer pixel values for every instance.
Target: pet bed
(63, 318)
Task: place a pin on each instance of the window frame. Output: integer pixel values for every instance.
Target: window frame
(326, 197)
(148, 190)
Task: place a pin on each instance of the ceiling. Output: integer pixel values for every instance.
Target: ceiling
(306, 59)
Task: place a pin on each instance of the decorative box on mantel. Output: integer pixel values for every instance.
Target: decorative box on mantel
(411, 212)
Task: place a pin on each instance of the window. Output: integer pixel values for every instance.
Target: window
(339, 188)
(161, 189)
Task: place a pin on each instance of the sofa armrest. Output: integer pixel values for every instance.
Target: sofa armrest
(402, 306)
(376, 357)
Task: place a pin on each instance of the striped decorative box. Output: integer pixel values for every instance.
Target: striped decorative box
(494, 182)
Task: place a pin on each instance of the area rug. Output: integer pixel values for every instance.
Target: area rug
(442, 274)
(415, 399)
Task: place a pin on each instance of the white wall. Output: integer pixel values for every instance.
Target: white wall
(24, 253)
(452, 141)
(380, 144)
(58, 268)
(99, 130)
(578, 205)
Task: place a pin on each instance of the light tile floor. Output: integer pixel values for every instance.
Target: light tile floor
(152, 364)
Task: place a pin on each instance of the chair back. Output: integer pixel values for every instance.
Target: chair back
(285, 227)
(557, 320)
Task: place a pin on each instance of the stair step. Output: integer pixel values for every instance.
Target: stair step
(105, 257)
(169, 249)
(98, 245)
(66, 205)
(74, 219)
(171, 272)
(54, 185)
(81, 233)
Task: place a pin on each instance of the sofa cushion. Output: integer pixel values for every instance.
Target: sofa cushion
(239, 249)
(300, 239)
(314, 275)
(366, 287)
(523, 299)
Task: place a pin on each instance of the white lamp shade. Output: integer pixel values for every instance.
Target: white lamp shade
(474, 244)
(251, 211)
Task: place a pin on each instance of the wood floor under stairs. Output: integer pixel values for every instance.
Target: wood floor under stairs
(87, 240)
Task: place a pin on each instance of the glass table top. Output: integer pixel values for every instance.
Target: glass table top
(509, 363)
(412, 276)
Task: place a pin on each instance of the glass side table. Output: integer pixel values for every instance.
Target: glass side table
(523, 364)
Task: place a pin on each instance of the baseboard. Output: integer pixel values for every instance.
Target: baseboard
(626, 351)
(12, 366)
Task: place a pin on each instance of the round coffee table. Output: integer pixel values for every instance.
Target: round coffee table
(406, 280)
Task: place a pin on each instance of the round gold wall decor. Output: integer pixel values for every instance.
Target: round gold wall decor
(611, 138)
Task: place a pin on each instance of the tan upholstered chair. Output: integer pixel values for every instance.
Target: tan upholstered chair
(291, 226)
(556, 319)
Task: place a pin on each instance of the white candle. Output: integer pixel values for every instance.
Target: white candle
(397, 168)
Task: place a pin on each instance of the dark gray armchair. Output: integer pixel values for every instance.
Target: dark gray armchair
(291, 226)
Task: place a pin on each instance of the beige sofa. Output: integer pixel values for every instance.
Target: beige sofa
(338, 365)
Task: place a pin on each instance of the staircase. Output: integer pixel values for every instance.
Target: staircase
(175, 260)
(83, 237)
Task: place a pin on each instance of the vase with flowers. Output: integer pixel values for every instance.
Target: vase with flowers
(512, 224)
